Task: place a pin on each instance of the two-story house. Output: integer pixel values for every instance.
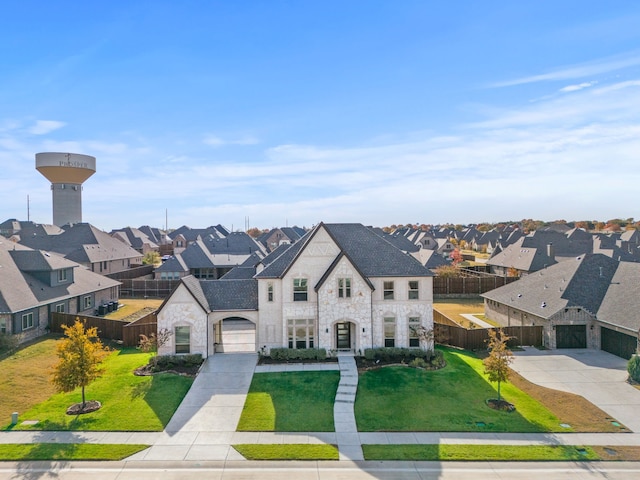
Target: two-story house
(341, 286)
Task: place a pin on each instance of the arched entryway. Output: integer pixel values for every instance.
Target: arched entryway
(235, 335)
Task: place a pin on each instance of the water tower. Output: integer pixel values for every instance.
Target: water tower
(66, 172)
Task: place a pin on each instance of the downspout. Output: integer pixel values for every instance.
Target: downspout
(371, 319)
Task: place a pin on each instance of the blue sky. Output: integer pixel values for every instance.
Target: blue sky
(295, 112)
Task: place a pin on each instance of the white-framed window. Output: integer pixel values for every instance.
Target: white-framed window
(414, 291)
(301, 333)
(27, 321)
(387, 290)
(414, 324)
(344, 288)
(87, 302)
(3, 325)
(183, 339)
(270, 292)
(389, 332)
(299, 289)
(60, 308)
(62, 275)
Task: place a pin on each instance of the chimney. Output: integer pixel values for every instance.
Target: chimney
(551, 253)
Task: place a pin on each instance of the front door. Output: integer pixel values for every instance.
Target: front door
(343, 336)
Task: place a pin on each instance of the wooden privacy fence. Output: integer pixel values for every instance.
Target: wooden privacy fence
(127, 333)
(135, 272)
(468, 285)
(476, 339)
(136, 288)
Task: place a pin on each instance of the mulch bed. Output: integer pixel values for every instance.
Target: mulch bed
(78, 409)
(148, 370)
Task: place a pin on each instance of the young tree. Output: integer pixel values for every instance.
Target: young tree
(496, 365)
(456, 256)
(80, 355)
(426, 337)
(153, 342)
(151, 258)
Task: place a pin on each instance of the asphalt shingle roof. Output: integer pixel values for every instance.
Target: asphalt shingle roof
(370, 253)
(608, 289)
(231, 294)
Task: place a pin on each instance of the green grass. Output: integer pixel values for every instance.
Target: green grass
(25, 376)
(449, 400)
(290, 402)
(479, 452)
(66, 451)
(287, 451)
(129, 403)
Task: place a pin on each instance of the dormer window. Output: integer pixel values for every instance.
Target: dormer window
(62, 275)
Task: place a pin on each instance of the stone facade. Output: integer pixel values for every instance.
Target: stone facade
(181, 310)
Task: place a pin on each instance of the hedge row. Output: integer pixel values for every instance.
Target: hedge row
(167, 362)
(298, 353)
(387, 354)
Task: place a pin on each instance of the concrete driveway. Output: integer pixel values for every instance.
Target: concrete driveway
(598, 376)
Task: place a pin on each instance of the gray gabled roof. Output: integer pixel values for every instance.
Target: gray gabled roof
(231, 294)
(82, 243)
(239, 273)
(22, 289)
(372, 255)
(581, 282)
(521, 257)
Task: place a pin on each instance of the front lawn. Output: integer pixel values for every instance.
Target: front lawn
(290, 402)
(450, 452)
(298, 451)
(448, 400)
(129, 403)
(25, 377)
(66, 451)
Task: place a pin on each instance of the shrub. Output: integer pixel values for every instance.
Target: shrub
(297, 354)
(395, 354)
(633, 367)
(418, 363)
(169, 362)
(8, 343)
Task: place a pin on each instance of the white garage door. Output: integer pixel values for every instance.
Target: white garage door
(238, 336)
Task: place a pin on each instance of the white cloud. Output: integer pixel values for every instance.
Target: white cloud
(42, 127)
(217, 141)
(579, 86)
(587, 69)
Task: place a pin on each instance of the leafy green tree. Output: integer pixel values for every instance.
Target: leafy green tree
(151, 258)
(79, 357)
(496, 365)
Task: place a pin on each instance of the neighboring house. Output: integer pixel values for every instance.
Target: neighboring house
(136, 239)
(184, 235)
(34, 283)
(280, 236)
(445, 246)
(87, 245)
(519, 259)
(210, 258)
(341, 286)
(591, 301)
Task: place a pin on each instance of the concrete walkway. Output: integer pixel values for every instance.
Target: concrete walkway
(598, 376)
(347, 438)
(473, 319)
(204, 425)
